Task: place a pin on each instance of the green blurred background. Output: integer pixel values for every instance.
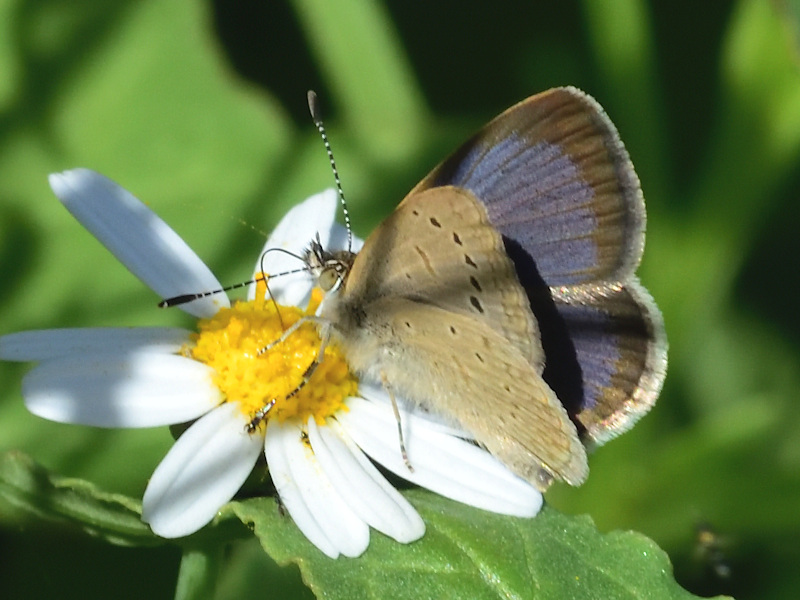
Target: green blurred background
(199, 109)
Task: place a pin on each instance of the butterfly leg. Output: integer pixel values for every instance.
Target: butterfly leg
(297, 324)
(388, 388)
(260, 415)
(324, 336)
(262, 412)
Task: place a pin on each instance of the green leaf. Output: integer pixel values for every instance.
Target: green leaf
(468, 553)
(29, 492)
(465, 552)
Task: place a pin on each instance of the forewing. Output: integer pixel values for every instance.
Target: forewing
(438, 248)
(556, 179)
(559, 186)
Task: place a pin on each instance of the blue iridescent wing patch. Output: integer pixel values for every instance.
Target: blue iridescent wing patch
(559, 186)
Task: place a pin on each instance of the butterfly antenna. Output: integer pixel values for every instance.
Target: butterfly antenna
(263, 269)
(186, 298)
(313, 107)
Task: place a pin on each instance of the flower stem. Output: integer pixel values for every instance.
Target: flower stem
(199, 572)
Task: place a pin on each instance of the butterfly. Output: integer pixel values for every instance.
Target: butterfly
(501, 293)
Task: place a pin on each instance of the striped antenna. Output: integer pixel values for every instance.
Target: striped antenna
(313, 107)
(186, 298)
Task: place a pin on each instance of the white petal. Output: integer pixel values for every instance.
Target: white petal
(341, 527)
(144, 243)
(138, 389)
(338, 239)
(294, 233)
(52, 343)
(362, 486)
(203, 470)
(288, 489)
(444, 464)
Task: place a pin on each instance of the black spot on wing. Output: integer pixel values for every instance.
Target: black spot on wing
(476, 303)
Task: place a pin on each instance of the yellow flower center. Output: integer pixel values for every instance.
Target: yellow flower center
(233, 343)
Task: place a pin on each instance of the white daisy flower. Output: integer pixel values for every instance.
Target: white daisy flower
(319, 444)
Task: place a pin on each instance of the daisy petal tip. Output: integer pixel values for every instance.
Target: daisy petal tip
(525, 502)
(411, 532)
(56, 181)
(64, 183)
(59, 184)
(325, 198)
(533, 505)
(172, 527)
(171, 520)
(315, 214)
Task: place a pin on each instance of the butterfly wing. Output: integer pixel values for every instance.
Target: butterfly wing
(555, 178)
(621, 349)
(438, 248)
(476, 378)
(433, 307)
(559, 186)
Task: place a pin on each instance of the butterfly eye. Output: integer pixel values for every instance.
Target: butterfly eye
(328, 279)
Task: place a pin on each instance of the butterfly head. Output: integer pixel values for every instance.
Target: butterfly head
(330, 269)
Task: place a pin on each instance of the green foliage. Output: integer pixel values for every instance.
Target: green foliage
(473, 554)
(199, 110)
(465, 553)
(30, 493)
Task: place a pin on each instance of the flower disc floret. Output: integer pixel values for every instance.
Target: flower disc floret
(233, 343)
